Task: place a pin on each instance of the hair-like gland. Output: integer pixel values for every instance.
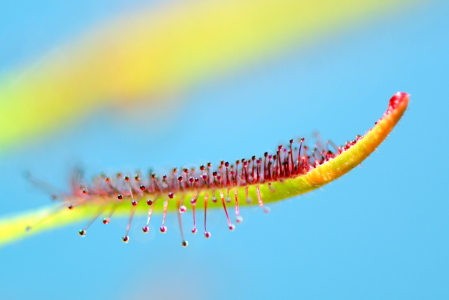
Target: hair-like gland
(292, 170)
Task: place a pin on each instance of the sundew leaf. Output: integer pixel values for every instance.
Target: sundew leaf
(161, 50)
(288, 172)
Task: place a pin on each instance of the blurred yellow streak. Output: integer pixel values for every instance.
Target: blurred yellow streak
(160, 50)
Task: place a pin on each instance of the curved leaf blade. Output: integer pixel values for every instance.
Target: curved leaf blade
(13, 228)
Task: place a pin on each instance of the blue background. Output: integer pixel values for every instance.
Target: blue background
(380, 232)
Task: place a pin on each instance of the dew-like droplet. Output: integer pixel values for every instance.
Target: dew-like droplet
(239, 219)
(194, 230)
(106, 221)
(149, 202)
(185, 244)
(182, 209)
(266, 209)
(120, 196)
(145, 229)
(207, 234)
(125, 239)
(82, 232)
(163, 229)
(134, 203)
(231, 227)
(249, 200)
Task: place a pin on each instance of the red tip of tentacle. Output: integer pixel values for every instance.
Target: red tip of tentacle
(396, 100)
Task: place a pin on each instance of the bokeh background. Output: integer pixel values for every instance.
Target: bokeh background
(379, 232)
